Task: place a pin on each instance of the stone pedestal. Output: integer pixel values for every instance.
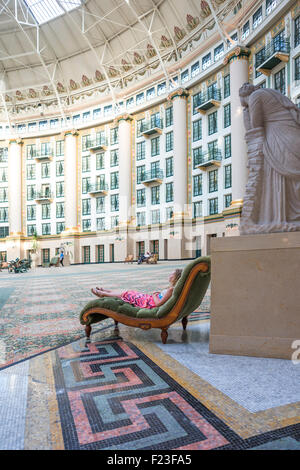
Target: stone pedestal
(255, 295)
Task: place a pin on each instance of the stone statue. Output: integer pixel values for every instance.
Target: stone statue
(272, 198)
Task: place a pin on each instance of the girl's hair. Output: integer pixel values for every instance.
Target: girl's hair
(177, 275)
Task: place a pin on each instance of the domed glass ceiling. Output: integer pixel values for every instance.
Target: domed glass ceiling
(46, 10)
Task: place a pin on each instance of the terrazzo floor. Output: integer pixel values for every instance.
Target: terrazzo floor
(128, 391)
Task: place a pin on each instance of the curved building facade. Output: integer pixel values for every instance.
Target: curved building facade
(160, 165)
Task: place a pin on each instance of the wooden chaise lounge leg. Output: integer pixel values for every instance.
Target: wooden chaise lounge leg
(88, 330)
(164, 335)
(184, 322)
(116, 326)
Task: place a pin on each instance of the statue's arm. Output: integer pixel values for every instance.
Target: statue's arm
(256, 111)
(246, 117)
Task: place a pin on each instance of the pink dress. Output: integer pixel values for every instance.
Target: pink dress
(138, 299)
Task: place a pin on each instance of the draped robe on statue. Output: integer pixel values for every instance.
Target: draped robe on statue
(279, 205)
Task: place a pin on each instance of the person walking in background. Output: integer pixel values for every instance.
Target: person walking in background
(61, 258)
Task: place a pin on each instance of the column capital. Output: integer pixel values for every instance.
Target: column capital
(237, 53)
(17, 140)
(123, 117)
(73, 132)
(179, 92)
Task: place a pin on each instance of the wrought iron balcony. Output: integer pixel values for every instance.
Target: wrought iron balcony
(98, 188)
(152, 177)
(277, 51)
(44, 196)
(209, 158)
(43, 156)
(96, 144)
(151, 127)
(208, 100)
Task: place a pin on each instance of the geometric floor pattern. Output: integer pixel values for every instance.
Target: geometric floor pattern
(128, 391)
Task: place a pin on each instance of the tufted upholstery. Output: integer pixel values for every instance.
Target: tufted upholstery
(194, 298)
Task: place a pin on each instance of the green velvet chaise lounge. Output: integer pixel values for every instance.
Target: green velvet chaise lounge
(187, 296)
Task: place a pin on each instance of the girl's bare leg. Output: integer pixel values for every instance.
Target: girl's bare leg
(100, 293)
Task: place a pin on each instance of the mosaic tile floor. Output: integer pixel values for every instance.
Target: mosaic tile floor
(129, 391)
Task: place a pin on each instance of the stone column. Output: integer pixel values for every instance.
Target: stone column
(177, 242)
(71, 221)
(125, 244)
(14, 198)
(71, 189)
(239, 66)
(179, 99)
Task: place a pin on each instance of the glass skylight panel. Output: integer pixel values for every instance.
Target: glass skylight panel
(46, 10)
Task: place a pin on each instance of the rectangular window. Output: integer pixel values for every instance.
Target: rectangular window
(169, 116)
(46, 230)
(297, 68)
(155, 216)
(140, 127)
(114, 158)
(197, 185)
(86, 142)
(100, 182)
(213, 181)
(140, 219)
(86, 164)
(100, 162)
(30, 152)
(169, 167)
(141, 197)
(169, 213)
(227, 146)
(140, 173)
(31, 192)
(227, 174)
(86, 207)
(185, 76)
(114, 136)
(31, 212)
(297, 31)
(140, 98)
(46, 211)
(196, 101)
(45, 254)
(279, 81)
(197, 130)
(155, 169)
(100, 223)
(227, 200)
(213, 123)
(206, 61)
(45, 170)
(140, 150)
(169, 141)
(169, 192)
(197, 209)
(60, 144)
(3, 194)
(114, 180)
(60, 168)
(3, 214)
(86, 254)
(31, 230)
(155, 195)
(100, 205)
(257, 18)
(45, 148)
(155, 146)
(114, 221)
(197, 157)
(226, 86)
(114, 202)
(195, 69)
(218, 52)
(30, 172)
(86, 225)
(227, 115)
(86, 185)
(60, 227)
(96, 113)
(213, 206)
(212, 148)
(3, 174)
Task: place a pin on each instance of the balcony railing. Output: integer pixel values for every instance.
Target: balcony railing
(98, 188)
(96, 144)
(153, 126)
(43, 156)
(277, 51)
(43, 196)
(209, 158)
(153, 176)
(208, 100)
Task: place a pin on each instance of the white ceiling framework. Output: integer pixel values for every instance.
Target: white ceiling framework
(55, 52)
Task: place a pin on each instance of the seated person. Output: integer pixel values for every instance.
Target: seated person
(144, 257)
(138, 299)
